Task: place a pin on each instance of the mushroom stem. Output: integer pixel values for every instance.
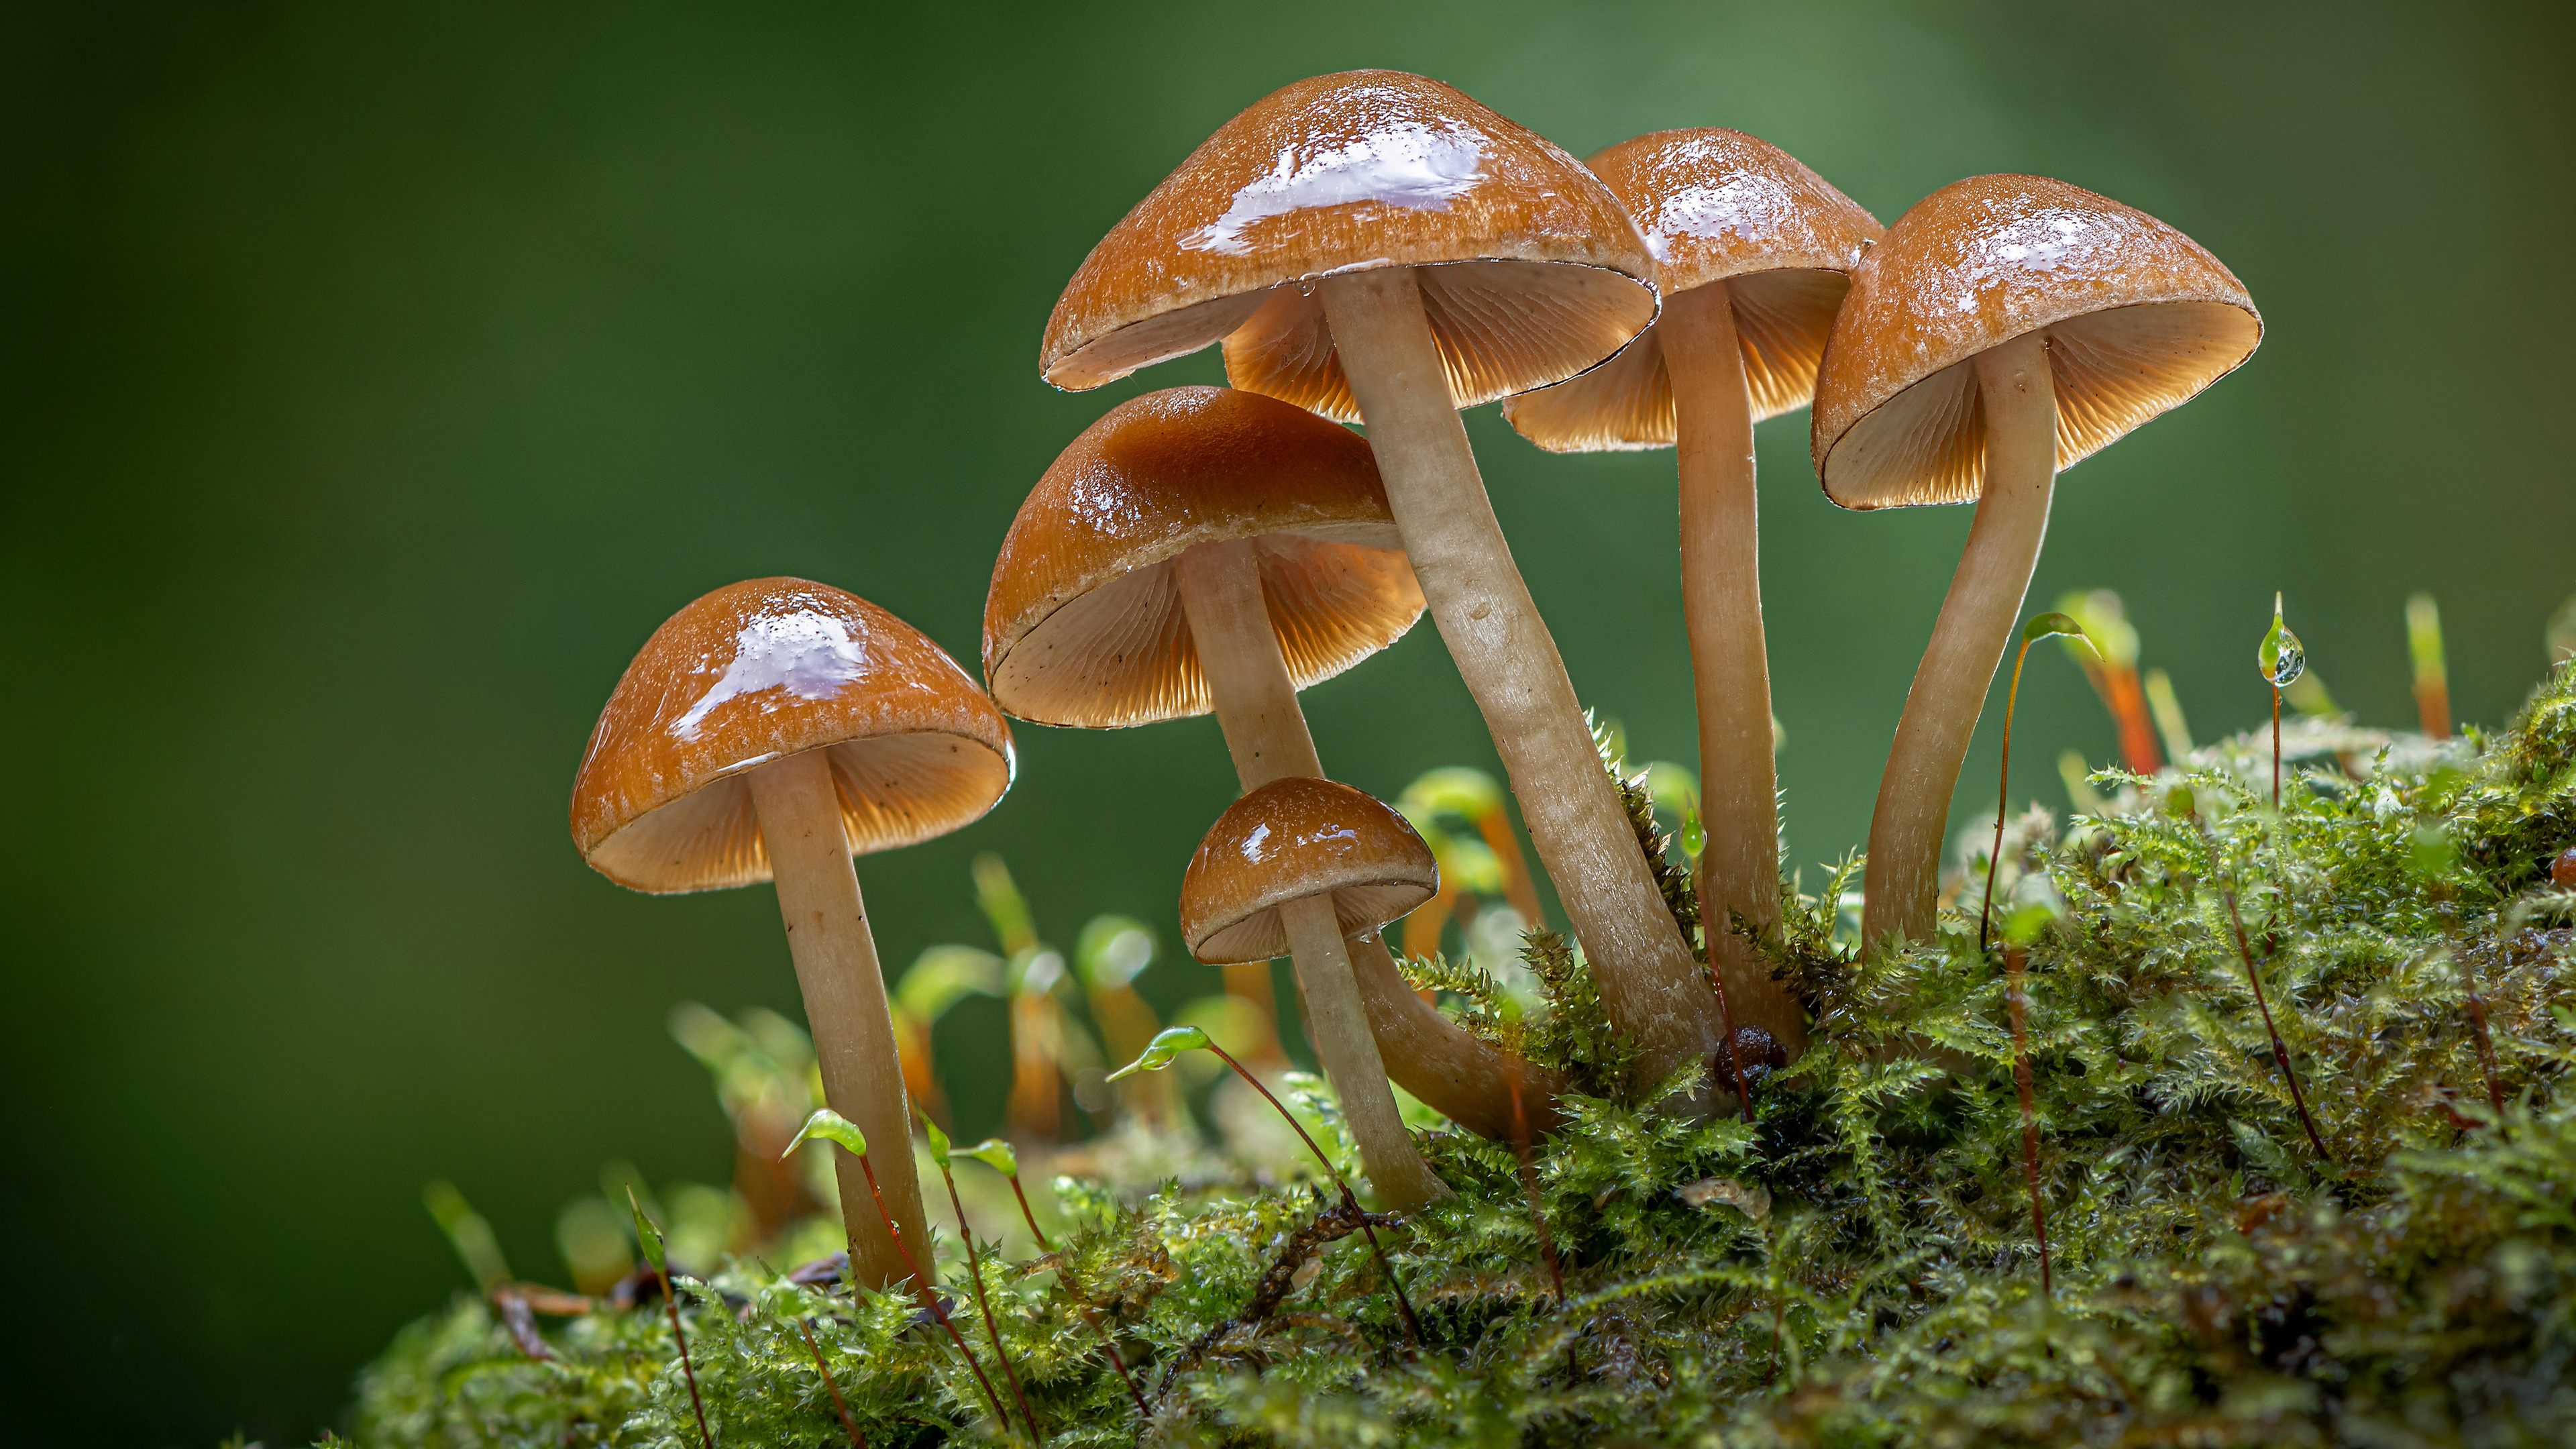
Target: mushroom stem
(1265, 730)
(1905, 831)
(1722, 605)
(845, 1000)
(1349, 1053)
(1247, 676)
(1650, 984)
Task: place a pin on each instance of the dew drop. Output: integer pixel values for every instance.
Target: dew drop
(1694, 836)
(2281, 659)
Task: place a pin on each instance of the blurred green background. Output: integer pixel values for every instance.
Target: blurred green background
(379, 376)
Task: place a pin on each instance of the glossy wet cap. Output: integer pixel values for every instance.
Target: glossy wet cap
(1532, 272)
(2139, 319)
(1084, 624)
(1713, 205)
(755, 672)
(1291, 839)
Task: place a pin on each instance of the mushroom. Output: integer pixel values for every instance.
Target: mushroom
(1292, 868)
(2009, 327)
(1201, 549)
(1753, 253)
(769, 731)
(1379, 248)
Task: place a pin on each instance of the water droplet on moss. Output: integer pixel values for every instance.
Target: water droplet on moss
(2281, 658)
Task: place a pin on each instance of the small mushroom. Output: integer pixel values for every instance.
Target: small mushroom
(1201, 549)
(1292, 869)
(769, 731)
(1753, 253)
(2009, 327)
(1379, 248)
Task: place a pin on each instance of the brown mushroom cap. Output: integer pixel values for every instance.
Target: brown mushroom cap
(764, 669)
(1084, 625)
(1714, 205)
(1291, 839)
(1543, 276)
(2139, 319)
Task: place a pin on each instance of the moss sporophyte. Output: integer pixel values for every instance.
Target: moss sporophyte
(2251, 1133)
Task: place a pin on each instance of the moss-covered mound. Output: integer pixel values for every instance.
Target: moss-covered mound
(1858, 1265)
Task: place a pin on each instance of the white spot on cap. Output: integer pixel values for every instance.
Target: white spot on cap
(809, 654)
(1407, 164)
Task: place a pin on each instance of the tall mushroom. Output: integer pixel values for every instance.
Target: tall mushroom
(1201, 549)
(1753, 253)
(1297, 866)
(769, 731)
(2009, 327)
(1379, 248)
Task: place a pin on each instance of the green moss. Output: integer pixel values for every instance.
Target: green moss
(1858, 1266)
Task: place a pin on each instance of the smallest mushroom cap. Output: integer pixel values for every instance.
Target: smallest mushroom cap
(1291, 839)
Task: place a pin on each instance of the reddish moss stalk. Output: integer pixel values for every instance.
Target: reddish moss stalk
(2015, 1006)
(2280, 1052)
(2276, 756)
(688, 1370)
(992, 1330)
(840, 1405)
(2477, 1005)
(930, 1296)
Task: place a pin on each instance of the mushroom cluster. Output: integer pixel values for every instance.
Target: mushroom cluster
(1375, 248)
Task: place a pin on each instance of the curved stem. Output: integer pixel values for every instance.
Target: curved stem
(2003, 798)
(1460, 1076)
(1905, 830)
(1649, 980)
(1730, 665)
(1265, 732)
(845, 999)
